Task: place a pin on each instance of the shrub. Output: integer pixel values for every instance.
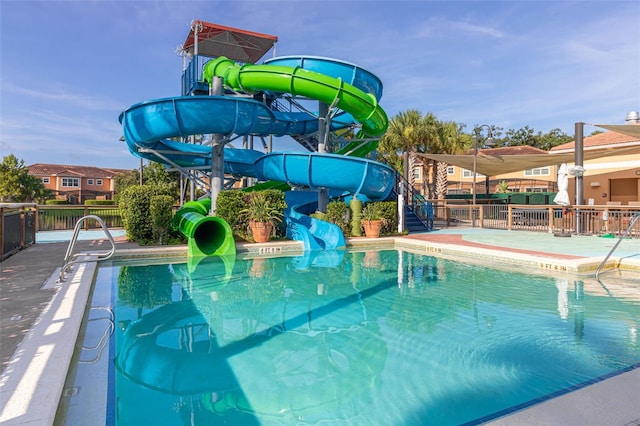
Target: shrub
(99, 203)
(388, 211)
(56, 202)
(161, 209)
(134, 208)
(338, 213)
(228, 206)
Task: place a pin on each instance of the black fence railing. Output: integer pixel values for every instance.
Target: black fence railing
(17, 228)
(51, 218)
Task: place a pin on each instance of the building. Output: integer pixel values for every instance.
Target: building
(611, 163)
(611, 179)
(76, 184)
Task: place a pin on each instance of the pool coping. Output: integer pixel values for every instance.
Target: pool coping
(28, 396)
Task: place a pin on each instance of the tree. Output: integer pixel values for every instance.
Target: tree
(527, 136)
(154, 174)
(17, 185)
(452, 141)
(411, 132)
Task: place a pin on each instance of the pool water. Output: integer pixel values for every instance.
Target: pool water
(361, 338)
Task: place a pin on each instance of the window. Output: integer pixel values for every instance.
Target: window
(70, 182)
(98, 181)
(469, 174)
(451, 170)
(89, 181)
(417, 173)
(540, 171)
(45, 180)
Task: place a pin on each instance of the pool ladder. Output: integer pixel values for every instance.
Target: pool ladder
(70, 258)
(632, 222)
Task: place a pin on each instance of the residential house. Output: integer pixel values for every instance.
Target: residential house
(76, 184)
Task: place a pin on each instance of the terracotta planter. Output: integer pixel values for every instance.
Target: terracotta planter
(261, 231)
(372, 228)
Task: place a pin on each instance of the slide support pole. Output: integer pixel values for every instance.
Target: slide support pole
(217, 153)
(323, 112)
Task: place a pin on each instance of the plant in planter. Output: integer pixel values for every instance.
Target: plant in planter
(263, 211)
(372, 220)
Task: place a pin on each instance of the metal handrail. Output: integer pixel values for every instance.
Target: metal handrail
(424, 210)
(633, 220)
(106, 335)
(70, 258)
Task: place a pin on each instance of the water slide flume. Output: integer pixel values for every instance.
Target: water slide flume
(302, 82)
(150, 126)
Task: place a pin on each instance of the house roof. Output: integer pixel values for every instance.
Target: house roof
(217, 40)
(605, 139)
(41, 169)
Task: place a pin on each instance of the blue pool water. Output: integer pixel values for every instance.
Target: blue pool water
(372, 338)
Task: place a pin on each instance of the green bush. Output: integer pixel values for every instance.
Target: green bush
(134, 208)
(338, 213)
(99, 203)
(161, 209)
(56, 202)
(388, 211)
(228, 206)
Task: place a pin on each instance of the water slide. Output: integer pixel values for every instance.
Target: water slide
(151, 127)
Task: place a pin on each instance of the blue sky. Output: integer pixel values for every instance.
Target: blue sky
(68, 68)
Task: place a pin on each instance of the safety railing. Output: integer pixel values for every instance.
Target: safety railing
(17, 227)
(57, 217)
(71, 258)
(416, 202)
(606, 221)
(99, 347)
(632, 222)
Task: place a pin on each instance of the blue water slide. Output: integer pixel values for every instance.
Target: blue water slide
(150, 127)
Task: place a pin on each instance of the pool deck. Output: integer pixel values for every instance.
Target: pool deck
(39, 318)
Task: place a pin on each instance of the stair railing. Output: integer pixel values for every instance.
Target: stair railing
(415, 202)
(632, 222)
(70, 258)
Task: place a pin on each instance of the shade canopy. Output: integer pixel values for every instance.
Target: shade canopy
(494, 165)
(625, 129)
(217, 40)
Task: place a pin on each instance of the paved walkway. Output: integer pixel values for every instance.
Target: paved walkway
(22, 298)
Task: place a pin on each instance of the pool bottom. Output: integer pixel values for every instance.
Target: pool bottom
(428, 277)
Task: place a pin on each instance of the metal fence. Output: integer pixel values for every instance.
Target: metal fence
(51, 218)
(17, 228)
(583, 220)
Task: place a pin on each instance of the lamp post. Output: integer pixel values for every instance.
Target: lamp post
(488, 142)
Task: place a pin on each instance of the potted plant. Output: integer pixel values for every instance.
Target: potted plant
(263, 211)
(372, 220)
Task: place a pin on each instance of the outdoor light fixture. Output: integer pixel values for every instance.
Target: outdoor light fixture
(488, 143)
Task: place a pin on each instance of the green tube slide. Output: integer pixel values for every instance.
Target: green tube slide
(206, 235)
(301, 82)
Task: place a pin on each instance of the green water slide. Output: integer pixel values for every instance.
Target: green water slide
(301, 82)
(206, 235)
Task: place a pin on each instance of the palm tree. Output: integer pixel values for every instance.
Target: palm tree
(408, 132)
(411, 132)
(452, 141)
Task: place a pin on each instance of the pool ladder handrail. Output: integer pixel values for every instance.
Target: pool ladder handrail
(632, 222)
(70, 258)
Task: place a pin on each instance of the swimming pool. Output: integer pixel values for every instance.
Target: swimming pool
(355, 337)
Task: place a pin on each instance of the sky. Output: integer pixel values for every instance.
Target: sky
(69, 68)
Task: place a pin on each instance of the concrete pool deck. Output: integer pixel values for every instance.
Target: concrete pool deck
(38, 318)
